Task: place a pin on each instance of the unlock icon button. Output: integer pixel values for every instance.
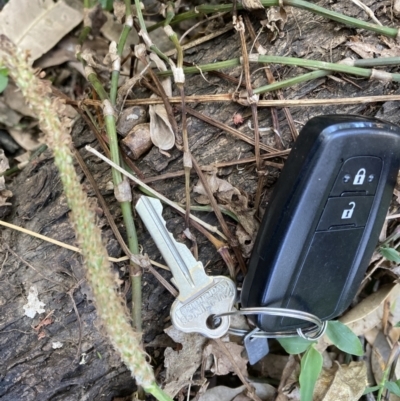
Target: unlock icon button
(348, 213)
(345, 212)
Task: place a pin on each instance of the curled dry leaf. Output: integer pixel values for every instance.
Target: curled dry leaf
(222, 189)
(275, 22)
(8, 116)
(369, 312)
(396, 8)
(112, 30)
(221, 393)
(181, 365)
(367, 50)
(119, 10)
(220, 364)
(341, 382)
(95, 18)
(4, 193)
(138, 141)
(234, 201)
(162, 134)
(39, 26)
(15, 100)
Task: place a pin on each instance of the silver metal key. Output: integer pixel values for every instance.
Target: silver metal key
(200, 296)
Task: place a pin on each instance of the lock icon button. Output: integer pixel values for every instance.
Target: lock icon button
(347, 213)
(360, 177)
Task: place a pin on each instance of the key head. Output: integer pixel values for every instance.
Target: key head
(195, 314)
(323, 220)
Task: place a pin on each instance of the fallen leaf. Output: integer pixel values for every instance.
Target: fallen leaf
(275, 22)
(380, 354)
(272, 366)
(65, 51)
(221, 364)
(162, 134)
(8, 116)
(221, 188)
(396, 8)
(364, 50)
(341, 382)
(38, 27)
(16, 101)
(112, 30)
(4, 165)
(26, 139)
(221, 393)
(369, 312)
(4, 193)
(182, 364)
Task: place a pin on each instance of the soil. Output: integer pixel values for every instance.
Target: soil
(87, 367)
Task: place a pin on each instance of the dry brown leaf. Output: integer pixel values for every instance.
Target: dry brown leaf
(275, 22)
(366, 50)
(341, 382)
(221, 393)
(272, 366)
(4, 193)
(37, 25)
(246, 240)
(66, 51)
(119, 10)
(8, 116)
(220, 364)
(162, 134)
(4, 165)
(26, 139)
(221, 188)
(16, 101)
(396, 8)
(181, 365)
(112, 30)
(368, 313)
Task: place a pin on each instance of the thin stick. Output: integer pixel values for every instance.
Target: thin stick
(152, 191)
(261, 103)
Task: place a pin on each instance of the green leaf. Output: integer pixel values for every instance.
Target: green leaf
(311, 366)
(390, 254)
(3, 78)
(393, 388)
(371, 389)
(397, 324)
(295, 345)
(344, 338)
(106, 4)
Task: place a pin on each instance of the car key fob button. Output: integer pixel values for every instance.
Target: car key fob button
(351, 211)
(358, 174)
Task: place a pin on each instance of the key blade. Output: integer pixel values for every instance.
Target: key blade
(174, 253)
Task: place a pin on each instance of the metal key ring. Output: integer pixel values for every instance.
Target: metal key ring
(312, 333)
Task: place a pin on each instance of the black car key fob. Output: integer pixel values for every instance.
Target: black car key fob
(324, 218)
